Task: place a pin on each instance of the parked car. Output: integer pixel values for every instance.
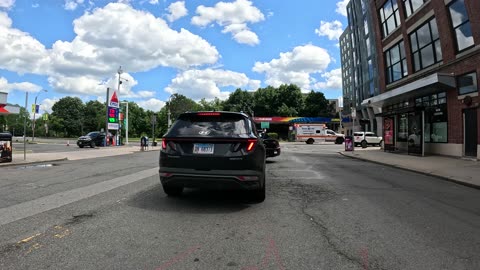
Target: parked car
(92, 139)
(366, 138)
(213, 150)
(272, 146)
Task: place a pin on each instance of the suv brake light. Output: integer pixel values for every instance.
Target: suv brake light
(208, 114)
(251, 145)
(164, 144)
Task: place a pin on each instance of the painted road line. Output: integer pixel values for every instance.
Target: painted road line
(43, 204)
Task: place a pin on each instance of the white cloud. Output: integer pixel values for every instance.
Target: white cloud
(177, 10)
(152, 104)
(153, 2)
(233, 17)
(47, 104)
(332, 30)
(295, 67)
(72, 4)
(7, 4)
(342, 7)
(5, 86)
(198, 84)
(145, 42)
(333, 80)
(36, 5)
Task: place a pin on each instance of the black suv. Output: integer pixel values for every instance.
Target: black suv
(213, 150)
(92, 139)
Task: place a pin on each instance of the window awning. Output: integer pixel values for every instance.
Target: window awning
(421, 87)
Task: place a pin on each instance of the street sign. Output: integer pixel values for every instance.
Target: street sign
(113, 126)
(35, 108)
(354, 113)
(112, 115)
(265, 124)
(114, 100)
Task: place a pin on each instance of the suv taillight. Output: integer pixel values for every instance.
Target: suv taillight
(251, 145)
(164, 144)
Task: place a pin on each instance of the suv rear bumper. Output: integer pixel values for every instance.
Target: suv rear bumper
(214, 179)
(273, 152)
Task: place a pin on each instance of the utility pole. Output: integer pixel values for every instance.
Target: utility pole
(106, 117)
(25, 128)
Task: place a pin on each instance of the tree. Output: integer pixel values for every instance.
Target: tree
(291, 96)
(70, 113)
(266, 101)
(14, 122)
(179, 104)
(213, 105)
(137, 123)
(240, 100)
(317, 105)
(94, 116)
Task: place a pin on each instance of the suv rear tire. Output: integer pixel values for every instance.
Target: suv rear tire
(364, 144)
(92, 144)
(172, 191)
(339, 140)
(310, 141)
(258, 195)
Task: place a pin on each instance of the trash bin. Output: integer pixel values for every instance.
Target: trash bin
(348, 143)
(5, 147)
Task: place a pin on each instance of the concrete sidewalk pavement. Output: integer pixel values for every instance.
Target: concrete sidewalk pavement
(73, 155)
(462, 171)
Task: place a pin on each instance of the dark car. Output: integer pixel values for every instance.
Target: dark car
(272, 145)
(213, 150)
(92, 139)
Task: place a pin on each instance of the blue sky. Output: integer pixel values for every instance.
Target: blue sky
(201, 49)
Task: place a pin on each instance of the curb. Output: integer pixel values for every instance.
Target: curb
(31, 162)
(449, 179)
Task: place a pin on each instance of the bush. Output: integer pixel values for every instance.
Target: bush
(273, 135)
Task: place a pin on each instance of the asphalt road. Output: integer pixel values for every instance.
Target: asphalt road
(323, 211)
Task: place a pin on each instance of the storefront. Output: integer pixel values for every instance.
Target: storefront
(415, 116)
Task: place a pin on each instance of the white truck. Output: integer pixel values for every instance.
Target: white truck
(310, 133)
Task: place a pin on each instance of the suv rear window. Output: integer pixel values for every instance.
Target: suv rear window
(358, 134)
(223, 125)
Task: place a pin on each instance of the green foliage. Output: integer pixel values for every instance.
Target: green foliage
(95, 114)
(240, 100)
(317, 105)
(272, 135)
(213, 105)
(71, 112)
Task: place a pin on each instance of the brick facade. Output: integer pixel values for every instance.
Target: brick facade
(453, 63)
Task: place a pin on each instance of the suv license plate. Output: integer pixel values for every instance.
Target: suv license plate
(203, 148)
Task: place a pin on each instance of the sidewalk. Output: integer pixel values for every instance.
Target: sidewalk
(462, 171)
(73, 155)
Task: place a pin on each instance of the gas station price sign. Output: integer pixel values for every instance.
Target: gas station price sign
(112, 115)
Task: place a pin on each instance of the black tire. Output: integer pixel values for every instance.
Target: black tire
(339, 140)
(172, 191)
(380, 143)
(80, 145)
(258, 195)
(364, 144)
(92, 144)
(310, 141)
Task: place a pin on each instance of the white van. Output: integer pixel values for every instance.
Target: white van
(310, 133)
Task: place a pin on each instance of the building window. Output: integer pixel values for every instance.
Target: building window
(426, 49)
(436, 117)
(396, 62)
(467, 83)
(461, 25)
(411, 6)
(389, 17)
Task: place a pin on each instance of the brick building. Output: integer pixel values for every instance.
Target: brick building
(428, 75)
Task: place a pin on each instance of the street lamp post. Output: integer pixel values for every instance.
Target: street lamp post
(34, 111)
